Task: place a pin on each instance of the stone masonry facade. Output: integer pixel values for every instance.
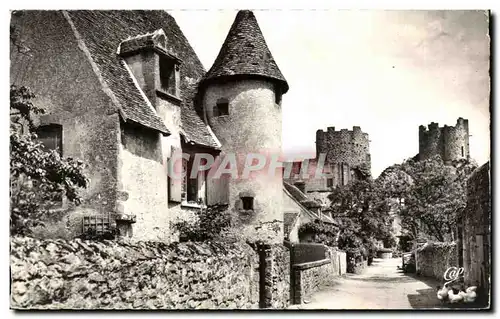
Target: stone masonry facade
(450, 142)
(344, 146)
(475, 231)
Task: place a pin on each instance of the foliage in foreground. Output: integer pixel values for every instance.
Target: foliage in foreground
(363, 212)
(39, 178)
(211, 223)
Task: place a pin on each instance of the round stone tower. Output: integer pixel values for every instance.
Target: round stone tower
(241, 98)
(450, 142)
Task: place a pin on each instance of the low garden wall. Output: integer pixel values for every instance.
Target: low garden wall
(59, 274)
(310, 277)
(433, 259)
(307, 252)
(317, 269)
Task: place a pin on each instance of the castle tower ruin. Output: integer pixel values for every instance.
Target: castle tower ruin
(345, 150)
(450, 142)
(242, 104)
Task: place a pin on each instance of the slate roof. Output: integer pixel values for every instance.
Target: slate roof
(103, 30)
(245, 52)
(301, 199)
(194, 128)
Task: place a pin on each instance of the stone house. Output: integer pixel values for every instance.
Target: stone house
(125, 92)
(299, 209)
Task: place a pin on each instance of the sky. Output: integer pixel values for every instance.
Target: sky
(386, 71)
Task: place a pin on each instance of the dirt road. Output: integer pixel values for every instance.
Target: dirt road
(380, 286)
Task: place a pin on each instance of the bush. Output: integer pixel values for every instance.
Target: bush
(211, 222)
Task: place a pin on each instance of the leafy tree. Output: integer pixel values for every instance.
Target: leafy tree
(363, 213)
(434, 197)
(39, 178)
(323, 233)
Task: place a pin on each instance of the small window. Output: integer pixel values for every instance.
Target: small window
(168, 79)
(51, 137)
(222, 107)
(342, 174)
(329, 182)
(277, 96)
(247, 203)
(462, 151)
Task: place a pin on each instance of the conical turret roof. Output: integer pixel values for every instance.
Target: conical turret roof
(245, 52)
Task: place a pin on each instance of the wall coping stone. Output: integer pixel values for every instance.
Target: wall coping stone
(311, 264)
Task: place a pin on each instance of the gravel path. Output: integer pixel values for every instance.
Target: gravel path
(380, 286)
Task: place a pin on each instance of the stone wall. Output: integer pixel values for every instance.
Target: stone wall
(450, 142)
(253, 125)
(311, 277)
(433, 259)
(307, 252)
(65, 85)
(344, 146)
(143, 184)
(275, 276)
(476, 230)
(57, 274)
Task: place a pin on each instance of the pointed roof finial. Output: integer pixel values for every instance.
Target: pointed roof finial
(245, 52)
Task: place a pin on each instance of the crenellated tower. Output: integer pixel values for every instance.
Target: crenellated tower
(241, 97)
(450, 142)
(344, 146)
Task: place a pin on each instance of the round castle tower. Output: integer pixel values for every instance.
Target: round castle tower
(450, 142)
(344, 146)
(241, 97)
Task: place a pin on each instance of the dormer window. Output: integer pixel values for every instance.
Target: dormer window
(168, 78)
(160, 67)
(222, 107)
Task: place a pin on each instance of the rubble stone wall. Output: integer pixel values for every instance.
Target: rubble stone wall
(58, 274)
(276, 283)
(433, 259)
(310, 277)
(476, 230)
(307, 252)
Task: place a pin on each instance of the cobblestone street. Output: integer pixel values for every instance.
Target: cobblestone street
(380, 286)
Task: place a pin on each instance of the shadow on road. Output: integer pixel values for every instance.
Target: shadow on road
(381, 279)
(426, 299)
